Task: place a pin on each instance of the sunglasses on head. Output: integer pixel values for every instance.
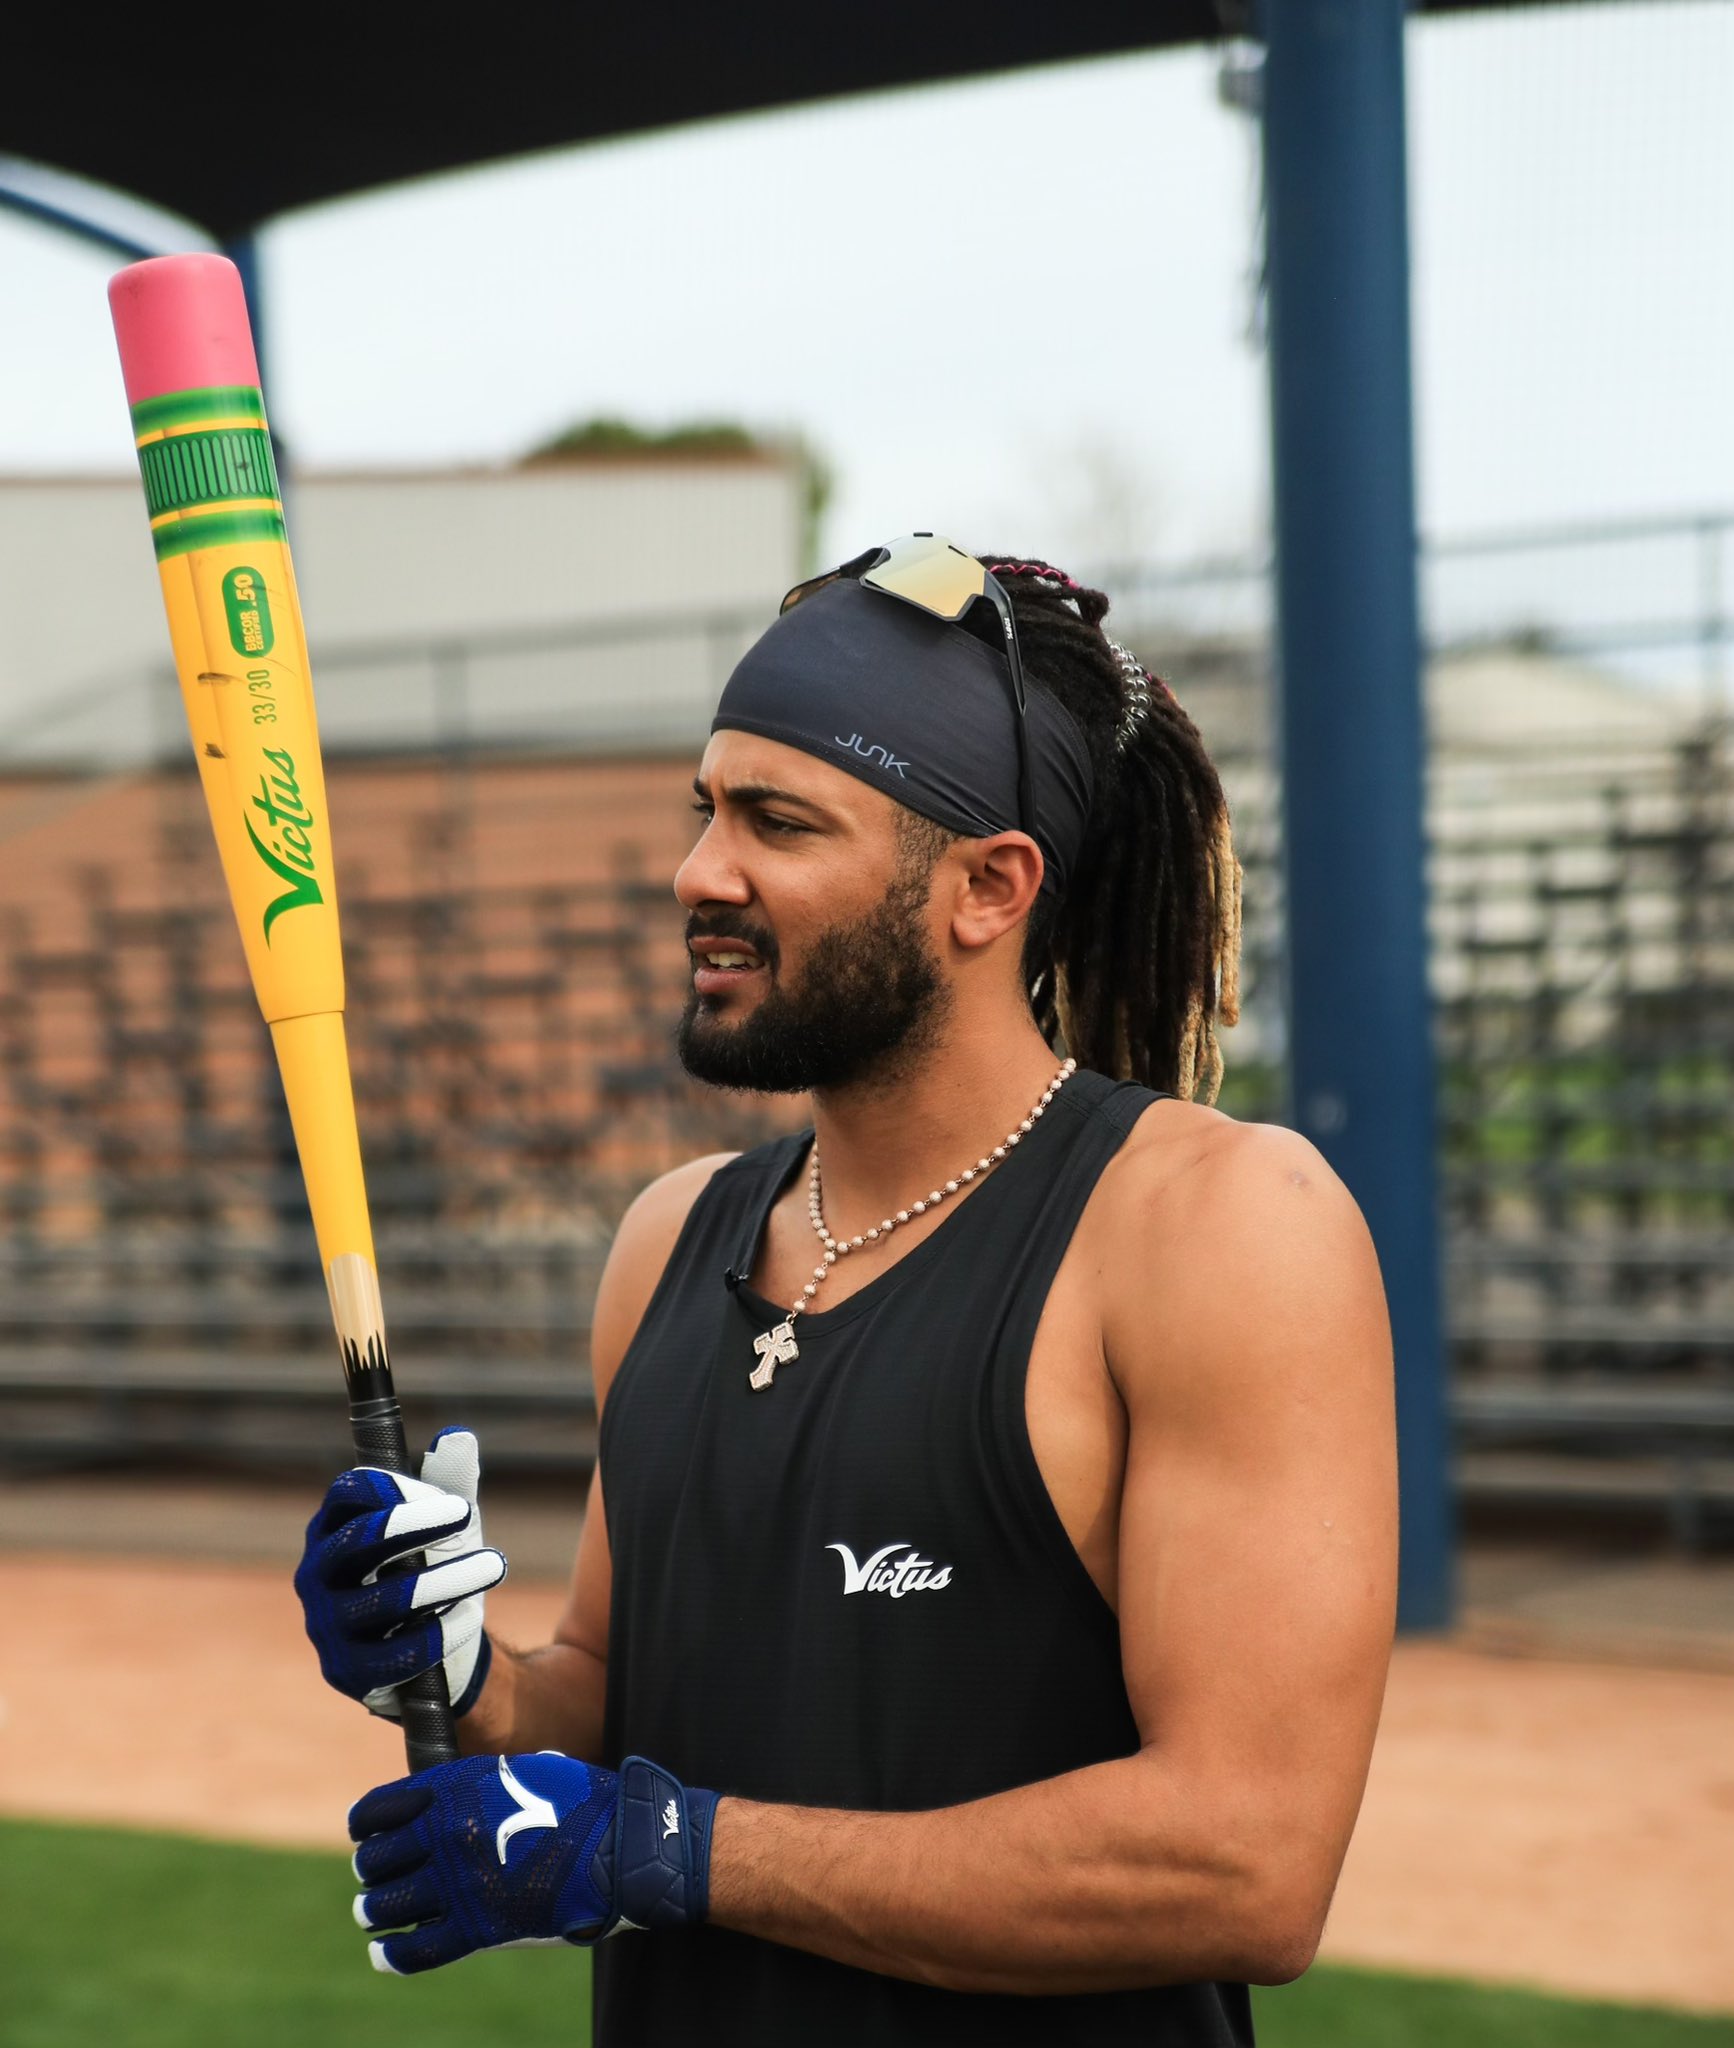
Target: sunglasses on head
(927, 571)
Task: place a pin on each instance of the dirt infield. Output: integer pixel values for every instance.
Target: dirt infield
(1562, 1824)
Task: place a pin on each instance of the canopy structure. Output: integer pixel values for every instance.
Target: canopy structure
(231, 121)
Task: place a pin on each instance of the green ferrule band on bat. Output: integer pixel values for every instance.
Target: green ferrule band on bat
(213, 468)
(192, 408)
(216, 530)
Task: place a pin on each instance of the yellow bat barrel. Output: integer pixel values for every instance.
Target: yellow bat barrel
(216, 520)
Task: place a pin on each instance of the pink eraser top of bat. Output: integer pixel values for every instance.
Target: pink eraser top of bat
(181, 322)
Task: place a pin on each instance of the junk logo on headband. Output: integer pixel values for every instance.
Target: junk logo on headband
(888, 760)
(926, 712)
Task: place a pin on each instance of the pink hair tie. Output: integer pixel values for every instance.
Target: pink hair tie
(1051, 579)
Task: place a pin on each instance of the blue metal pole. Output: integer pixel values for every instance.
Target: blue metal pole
(115, 240)
(242, 251)
(114, 221)
(1353, 732)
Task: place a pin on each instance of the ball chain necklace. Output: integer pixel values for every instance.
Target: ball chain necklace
(778, 1347)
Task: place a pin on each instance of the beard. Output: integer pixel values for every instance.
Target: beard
(869, 1002)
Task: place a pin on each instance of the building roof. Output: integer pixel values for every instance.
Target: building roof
(1506, 700)
(1493, 704)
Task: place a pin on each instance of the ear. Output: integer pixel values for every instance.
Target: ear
(997, 884)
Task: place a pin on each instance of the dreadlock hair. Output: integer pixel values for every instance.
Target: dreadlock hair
(1139, 962)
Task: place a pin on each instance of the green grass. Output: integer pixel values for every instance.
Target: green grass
(111, 1940)
(1341, 2008)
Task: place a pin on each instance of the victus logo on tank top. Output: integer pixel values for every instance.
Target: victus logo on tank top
(895, 1568)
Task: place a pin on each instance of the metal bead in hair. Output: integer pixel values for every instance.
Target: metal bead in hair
(1135, 685)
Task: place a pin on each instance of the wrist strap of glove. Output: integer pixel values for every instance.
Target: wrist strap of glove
(655, 1862)
(478, 1678)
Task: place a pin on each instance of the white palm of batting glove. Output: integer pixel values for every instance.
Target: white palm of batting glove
(375, 1628)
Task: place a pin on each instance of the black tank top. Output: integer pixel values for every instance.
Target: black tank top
(853, 1590)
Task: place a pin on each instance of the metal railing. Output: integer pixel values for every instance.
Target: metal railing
(1653, 597)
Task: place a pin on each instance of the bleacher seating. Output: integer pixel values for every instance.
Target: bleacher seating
(514, 970)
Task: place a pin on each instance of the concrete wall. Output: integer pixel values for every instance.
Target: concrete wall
(393, 566)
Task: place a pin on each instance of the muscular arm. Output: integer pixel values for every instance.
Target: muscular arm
(1257, 1574)
(552, 1697)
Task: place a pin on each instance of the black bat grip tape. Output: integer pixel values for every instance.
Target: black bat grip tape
(430, 1733)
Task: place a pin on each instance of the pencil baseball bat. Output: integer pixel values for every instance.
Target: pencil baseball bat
(240, 650)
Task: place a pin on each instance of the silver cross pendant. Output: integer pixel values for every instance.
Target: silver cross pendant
(776, 1347)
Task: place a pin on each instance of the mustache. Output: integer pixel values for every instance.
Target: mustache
(757, 938)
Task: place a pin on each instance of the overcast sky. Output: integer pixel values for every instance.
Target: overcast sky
(1014, 310)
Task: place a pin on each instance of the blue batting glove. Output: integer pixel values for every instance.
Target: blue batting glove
(375, 1629)
(516, 1851)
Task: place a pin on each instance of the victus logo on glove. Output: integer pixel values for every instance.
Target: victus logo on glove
(533, 1810)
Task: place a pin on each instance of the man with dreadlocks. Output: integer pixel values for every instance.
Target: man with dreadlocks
(986, 1629)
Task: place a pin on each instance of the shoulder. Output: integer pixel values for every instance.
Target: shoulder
(656, 1213)
(1184, 1161)
(642, 1244)
(1236, 1231)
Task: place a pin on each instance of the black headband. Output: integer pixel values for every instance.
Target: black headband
(920, 709)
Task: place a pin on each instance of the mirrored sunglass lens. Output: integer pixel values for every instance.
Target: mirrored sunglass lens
(933, 574)
(806, 589)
